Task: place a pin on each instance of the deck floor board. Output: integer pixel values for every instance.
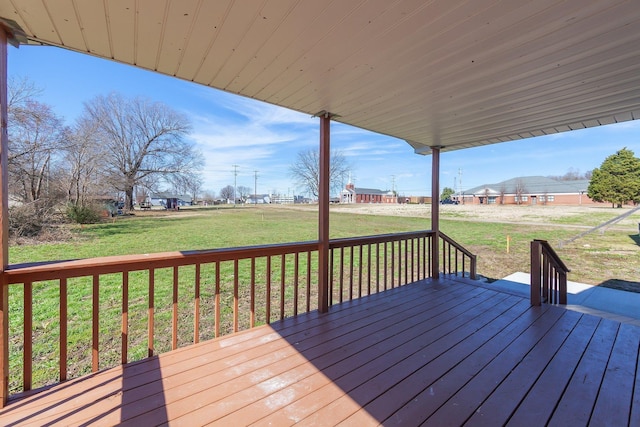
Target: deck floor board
(431, 353)
(616, 390)
(541, 400)
(429, 384)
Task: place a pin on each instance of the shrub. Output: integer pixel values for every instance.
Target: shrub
(25, 220)
(88, 214)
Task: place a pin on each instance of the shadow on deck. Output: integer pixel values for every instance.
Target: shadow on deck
(444, 353)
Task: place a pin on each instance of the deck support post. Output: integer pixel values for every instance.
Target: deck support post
(323, 215)
(4, 222)
(536, 268)
(435, 212)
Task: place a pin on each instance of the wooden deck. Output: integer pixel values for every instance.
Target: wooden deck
(435, 354)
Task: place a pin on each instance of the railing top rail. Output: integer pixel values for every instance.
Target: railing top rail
(554, 256)
(456, 245)
(378, 238)
(49, 270)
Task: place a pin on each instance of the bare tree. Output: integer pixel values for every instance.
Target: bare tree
(243, 192)
(572, 174)
(145, 187)
(306, 170)
(194, 185)
(227, 192)
(84, 159)
(20, 91)
(142, 138)
(36, 137)
(187, 183)
(503, 191)
(209, 197)
(520, 191)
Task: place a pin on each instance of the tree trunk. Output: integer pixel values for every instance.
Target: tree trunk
(128, 200)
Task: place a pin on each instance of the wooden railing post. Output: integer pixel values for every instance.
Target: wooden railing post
(536, 255)
(4, 222)
(472, 272)
(548, 275)
(563, 288)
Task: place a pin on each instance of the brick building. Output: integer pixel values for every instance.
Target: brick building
(528, 190)
(352, 194)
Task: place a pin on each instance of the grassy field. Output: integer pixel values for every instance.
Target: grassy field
(609, 258)
(601, 257)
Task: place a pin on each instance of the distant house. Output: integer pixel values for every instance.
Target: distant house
(418, 200)
(169, 200)
(353, 194)
(282, 199)
(258, 199)
(528, 190)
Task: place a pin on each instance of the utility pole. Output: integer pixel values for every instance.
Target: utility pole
(460, 184)
(455, 188)
(235, 183)
(393, 189)
(255, 187)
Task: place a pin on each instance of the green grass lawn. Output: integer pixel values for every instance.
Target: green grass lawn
(206, 229)
(594, 259)
(243, 226)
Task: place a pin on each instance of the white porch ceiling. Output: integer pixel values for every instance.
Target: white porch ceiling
(450, 73)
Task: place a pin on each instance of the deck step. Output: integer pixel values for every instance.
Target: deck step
(614, 304)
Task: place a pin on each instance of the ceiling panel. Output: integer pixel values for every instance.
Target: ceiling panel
(67, 24)
(266, 22)
(240, 19)
(207, 24)
(452, 73)
(33, 18)
(94, 28)
(151, 34)
(121, 25)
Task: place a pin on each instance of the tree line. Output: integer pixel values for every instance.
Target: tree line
(117, 145)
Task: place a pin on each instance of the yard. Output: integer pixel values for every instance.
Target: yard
(500, 237)
(607, 256)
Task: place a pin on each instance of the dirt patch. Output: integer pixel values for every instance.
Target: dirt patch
(550, 215)
(608, 257)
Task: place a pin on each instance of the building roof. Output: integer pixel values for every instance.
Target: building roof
(531, 185)
(168, 195)
(452, 74)
(360, 190)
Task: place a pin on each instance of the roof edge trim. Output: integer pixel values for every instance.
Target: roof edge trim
(17, 36)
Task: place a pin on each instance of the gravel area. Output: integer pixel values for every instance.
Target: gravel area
(585, 216)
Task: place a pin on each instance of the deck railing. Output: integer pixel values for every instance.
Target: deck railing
(365, 265)
(119, 309)
(548, 275)
(456, 259)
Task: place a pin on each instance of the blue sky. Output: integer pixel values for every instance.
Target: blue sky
(232, 130)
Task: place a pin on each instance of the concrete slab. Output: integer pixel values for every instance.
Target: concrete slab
(597, 298)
